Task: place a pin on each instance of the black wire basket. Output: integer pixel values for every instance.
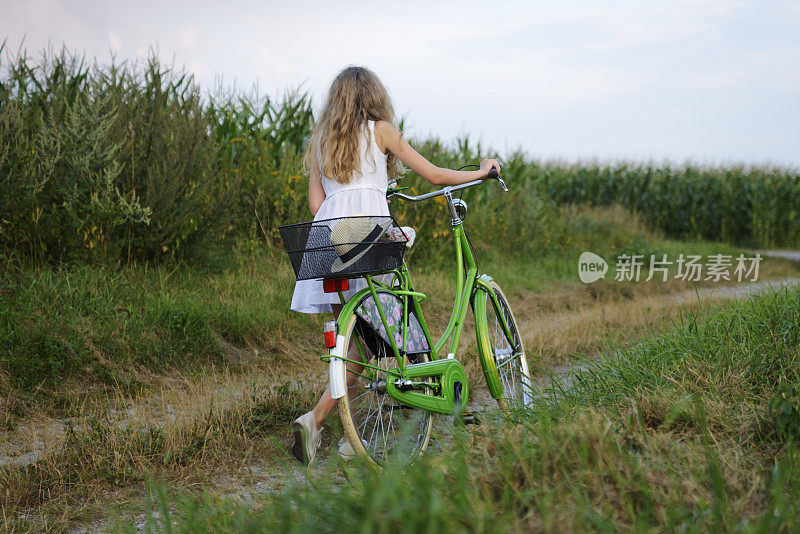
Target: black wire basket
(344, 247)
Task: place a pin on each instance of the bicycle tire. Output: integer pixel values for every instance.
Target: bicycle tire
(506, 373)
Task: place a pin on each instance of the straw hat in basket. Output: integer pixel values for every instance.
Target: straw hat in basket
(352, 237)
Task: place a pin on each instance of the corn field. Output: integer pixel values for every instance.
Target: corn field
(755, 207)
(132, 162)
(129, 161)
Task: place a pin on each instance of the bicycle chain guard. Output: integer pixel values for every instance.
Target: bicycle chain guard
(447, 374)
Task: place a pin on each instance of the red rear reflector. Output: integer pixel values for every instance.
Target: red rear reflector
(333, 285)
(330, 340)
(329, 333)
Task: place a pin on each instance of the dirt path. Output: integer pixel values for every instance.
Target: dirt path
(792, 255)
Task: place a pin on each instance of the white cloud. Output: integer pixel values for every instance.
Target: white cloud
(271, 65)
(776, 67)
(114, 42)
(202, 72)
(188, 35)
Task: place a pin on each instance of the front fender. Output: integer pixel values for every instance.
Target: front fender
(479, 303)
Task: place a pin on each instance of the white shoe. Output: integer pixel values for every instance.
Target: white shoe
(346, 450)
(307, 438)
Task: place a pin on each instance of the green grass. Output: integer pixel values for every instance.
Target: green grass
(679, 434)
(97, 329)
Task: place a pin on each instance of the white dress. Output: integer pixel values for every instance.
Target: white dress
(364, 195)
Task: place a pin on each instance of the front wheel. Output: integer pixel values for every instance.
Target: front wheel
(505, 366)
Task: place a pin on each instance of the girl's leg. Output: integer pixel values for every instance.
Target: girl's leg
(327, 403)
(307, 426)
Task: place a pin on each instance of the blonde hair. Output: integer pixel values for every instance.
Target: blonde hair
(355, 97)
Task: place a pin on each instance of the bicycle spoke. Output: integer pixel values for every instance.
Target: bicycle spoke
(374, 428)
(357, 397)
(366, 418)
(391, 417)
(385, 437)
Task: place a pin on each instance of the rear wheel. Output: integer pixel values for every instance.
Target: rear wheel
(505, 366)
(375, 424)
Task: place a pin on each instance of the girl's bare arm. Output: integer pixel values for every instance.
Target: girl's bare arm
(388, 137)
(316, 194)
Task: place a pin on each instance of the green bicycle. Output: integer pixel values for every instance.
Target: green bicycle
(389, 376)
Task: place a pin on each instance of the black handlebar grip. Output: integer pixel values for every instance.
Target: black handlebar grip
(493, 174)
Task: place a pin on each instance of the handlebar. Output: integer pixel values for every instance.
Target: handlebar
(493, 175)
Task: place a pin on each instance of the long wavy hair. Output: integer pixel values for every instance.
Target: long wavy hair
(355, 97)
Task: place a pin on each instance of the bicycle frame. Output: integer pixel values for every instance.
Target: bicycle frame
(467, 283)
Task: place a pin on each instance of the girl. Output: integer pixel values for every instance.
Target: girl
(353, 154)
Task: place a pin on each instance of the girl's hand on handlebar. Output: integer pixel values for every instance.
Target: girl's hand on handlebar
(489, 164)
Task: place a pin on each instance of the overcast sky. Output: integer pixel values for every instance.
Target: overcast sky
(707, 81)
